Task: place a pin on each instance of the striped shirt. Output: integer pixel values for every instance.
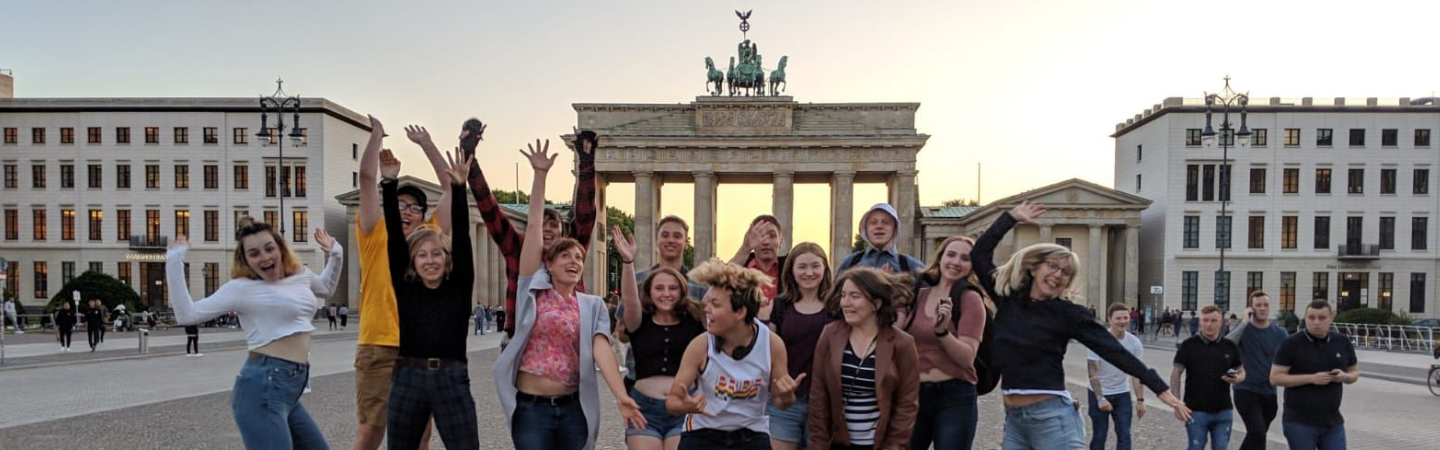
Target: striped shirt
(857, 387)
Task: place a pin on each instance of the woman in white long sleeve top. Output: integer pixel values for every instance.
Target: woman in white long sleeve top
(275, 297)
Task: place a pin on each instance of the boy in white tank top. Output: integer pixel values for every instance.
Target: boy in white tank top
(729, 373)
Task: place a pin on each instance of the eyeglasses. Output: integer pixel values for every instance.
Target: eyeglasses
(1067, 271)
(417, 209)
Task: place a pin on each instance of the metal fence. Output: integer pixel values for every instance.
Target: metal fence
(1401, 338)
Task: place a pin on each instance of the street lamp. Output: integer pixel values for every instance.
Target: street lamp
(279, 102)
(1226, 100)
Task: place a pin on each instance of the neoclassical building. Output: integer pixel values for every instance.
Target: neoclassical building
(1101, 224)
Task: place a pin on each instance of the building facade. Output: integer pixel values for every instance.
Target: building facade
(1332, 199)
(104, 184)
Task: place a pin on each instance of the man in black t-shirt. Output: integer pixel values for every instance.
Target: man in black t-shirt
(1312, 365)
(1213, 364)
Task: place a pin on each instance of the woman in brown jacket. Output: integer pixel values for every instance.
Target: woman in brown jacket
(866, 378)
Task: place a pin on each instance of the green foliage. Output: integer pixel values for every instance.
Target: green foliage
(1402, 318)
(1371, 316)
(616, 217)
(960, 202)
(96, 285)
(511, 197)
(859, 244)
(689, 257)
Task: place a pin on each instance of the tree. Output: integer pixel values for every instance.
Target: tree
(615, 218)
(960, 202)
(859, 244)
(510, 197)
(96, 285)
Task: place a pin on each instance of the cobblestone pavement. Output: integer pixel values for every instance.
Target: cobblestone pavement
(180, 402)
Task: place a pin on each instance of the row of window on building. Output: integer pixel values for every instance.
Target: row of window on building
(179, 135)
(1289, 232)
(123, 271)
(1323, 137)
(300, 222)
(278, 180)
(1320, 289)
(1211, 182)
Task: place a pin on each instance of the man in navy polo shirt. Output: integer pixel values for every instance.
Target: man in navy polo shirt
(1312, 365)
(1210, 360)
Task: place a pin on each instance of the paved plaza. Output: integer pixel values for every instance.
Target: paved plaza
(173, 401)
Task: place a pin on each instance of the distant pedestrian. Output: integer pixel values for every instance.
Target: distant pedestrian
(499, 318)
(94, 323)
(1194, 324)
(192, 340)
(65, 325)
(332, 314)
(344, 316)
(479, 320)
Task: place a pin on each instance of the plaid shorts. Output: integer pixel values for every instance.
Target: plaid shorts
(417, 394)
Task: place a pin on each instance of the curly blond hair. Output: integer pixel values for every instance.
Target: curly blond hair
(743, 284)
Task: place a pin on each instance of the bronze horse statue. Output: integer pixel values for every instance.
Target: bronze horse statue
(713, 76)
(777, 77)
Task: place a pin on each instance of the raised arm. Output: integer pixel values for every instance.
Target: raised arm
(502, 232)
(983, 255)
(583, 221)
(752, 237)
(188, 311)
(369, 164)
(324, 285)
(629, 293)
(1095, 337)
(530, 252)
(419, 135)
(395, 245)
(462, 258)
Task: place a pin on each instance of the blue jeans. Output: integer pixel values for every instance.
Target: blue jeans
(1212, 426)
(1121, 410)
(791, 424)
(659, 423)
(543, 426)
(266, 405)
(1306, 437)
(947, 416)
(1053, 424)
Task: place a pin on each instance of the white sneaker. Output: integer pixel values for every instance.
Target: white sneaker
(307, 390)
(197, 355)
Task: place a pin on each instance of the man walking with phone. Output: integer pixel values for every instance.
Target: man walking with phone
(1213, 364)
(1255, 399)
(1313, 366)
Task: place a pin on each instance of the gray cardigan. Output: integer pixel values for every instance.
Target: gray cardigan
(594, 320)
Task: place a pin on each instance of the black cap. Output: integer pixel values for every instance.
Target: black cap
(414, 191)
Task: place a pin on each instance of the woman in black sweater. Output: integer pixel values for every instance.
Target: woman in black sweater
(1034, 323)
(433, 286)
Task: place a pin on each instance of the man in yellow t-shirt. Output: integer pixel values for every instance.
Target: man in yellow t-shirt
(378, 345)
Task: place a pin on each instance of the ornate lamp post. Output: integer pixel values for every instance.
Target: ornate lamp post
(1225, 101)
(279, 102)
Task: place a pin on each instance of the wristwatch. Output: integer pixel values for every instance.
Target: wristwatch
(1140, 400)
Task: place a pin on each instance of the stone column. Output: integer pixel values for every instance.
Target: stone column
(704, 226)
(647, 200)
(1045, 233)
(1092, 278)
(842, 222)
(1132, 264)
(599, 253)
(480, 239)
(904, 204)
(783, 206)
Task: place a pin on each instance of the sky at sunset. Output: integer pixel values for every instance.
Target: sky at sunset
(1031, 89)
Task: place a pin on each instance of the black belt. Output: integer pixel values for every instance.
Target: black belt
(429, 363)
(555, 400)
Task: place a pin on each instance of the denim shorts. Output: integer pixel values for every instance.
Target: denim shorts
(790, 425)
(659, 423)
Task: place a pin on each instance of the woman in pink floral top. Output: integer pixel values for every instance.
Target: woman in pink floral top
(546, 376)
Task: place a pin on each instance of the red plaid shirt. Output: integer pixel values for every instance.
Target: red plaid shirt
(582, 222)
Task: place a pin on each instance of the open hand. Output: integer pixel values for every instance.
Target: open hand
(631, 412)
(323, 239)
(459, 167)
(389, 165)
(693, 404)
(753, 236)
(539, 155)
(376, 128)
(1139, 410)
(624, 245)
(1181, 411)
(418, 135)
(1027, 212)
